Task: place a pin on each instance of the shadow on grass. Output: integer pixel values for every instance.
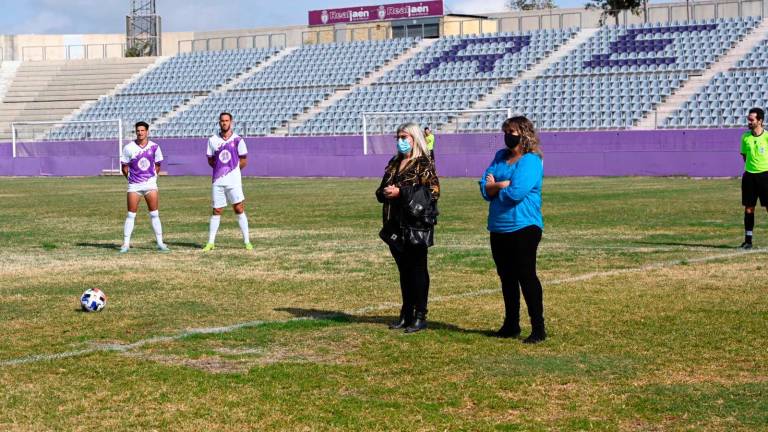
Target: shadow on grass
(701, 245)
(188, 245)
(113, 246)
(371, 319)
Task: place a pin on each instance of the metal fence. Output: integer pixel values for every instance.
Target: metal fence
(271, 40)
(72, 52)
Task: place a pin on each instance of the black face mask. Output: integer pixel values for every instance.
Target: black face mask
(511, 140)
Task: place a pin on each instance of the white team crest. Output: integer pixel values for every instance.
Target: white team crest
(382, 12)
(144, 164)
(225, 156)
(324, 16)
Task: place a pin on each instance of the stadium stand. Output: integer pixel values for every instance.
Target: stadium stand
(51, 90)
(452, 74)
(615, 79)
(278, 93)
(620, 74)
(160, 90)
(724, 101)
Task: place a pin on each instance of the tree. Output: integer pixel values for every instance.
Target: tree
(526, 5)
(613, 8)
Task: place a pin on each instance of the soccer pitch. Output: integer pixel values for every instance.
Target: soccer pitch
(656, 321)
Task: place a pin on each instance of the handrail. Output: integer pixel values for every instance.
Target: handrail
(273, 40)
(85, 49)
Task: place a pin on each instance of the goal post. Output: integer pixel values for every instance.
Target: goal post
(383, 124)
(60, 138)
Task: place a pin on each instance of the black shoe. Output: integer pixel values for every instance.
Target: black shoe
(399, 324)
(507, 331)
(406, 318)
(746, 245)
(535, 337)
(418, 325)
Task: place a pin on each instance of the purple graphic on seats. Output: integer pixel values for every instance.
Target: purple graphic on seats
(486, 62)
(628, 43)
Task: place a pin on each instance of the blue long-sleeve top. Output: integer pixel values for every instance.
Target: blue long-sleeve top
(518, 205)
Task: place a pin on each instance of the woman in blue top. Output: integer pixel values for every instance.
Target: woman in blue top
(512, 185)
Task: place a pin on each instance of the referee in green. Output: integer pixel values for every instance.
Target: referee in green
(754, 182)
(430, 138)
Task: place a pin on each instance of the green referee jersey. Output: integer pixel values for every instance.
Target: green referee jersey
(755, 150)
(430, 142)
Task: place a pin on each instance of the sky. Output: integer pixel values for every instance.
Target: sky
(108, 16)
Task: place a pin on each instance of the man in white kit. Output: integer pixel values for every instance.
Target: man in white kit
(140, 162)
(227, 156)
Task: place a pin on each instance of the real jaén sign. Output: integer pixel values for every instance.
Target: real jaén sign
(361, 14)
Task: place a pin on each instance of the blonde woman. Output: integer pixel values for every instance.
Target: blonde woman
(512, 185)
(410, 174)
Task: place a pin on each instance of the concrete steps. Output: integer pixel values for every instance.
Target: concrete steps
(52, 90)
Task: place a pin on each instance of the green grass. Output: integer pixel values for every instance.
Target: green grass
(656, 321)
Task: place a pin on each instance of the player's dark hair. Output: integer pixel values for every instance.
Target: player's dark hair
(426, 128)
(758, 112)
(141, 123)
(225, 114)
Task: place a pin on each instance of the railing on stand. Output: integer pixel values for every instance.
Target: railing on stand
(270, 40)
(72, 52)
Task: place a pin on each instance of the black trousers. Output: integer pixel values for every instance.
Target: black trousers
(414, 277)
(515, 257)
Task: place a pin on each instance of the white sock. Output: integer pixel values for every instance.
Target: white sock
(214, 228)
(154, 217)
(130, 220)
(242, 220)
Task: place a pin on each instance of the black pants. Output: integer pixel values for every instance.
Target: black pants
(414, 277)
(515, 257)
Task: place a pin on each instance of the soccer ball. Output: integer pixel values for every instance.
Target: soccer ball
(93, 300)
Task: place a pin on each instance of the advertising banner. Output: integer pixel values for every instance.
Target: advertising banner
(363, 14)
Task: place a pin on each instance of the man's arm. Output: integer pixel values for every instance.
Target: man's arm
(125, 170)
(243, 161)
(211, 161)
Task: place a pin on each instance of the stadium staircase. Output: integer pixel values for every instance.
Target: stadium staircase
(224, 88)
(7, 72)
(490, 100)
(52, 90)
(341, 93)
(697, 83)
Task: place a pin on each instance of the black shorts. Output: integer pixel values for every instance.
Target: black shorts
(754, 186)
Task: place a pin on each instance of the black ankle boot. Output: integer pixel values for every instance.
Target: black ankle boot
(406, 318)
(537, 335)
(508, 330)
(418, 325)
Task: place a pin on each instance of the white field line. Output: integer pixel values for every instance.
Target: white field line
(361, 311)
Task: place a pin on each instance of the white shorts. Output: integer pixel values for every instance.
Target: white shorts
(141, 188)
(227, 194)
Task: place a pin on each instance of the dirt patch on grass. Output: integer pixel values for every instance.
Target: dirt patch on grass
(331, 346)
(210, 364)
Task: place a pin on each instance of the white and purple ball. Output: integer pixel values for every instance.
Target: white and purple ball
(93, 300)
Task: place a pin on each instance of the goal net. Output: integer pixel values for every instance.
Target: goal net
(379, 127)
(95, 138)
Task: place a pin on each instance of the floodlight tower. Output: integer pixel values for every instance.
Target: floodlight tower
(142, 29)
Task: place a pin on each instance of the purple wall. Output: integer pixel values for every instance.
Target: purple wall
(710, 152)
